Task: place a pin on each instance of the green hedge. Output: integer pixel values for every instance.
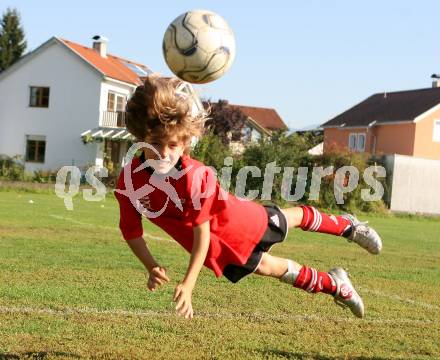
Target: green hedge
(11, 169)
(291, 151)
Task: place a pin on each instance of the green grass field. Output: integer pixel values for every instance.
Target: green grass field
(70, 288)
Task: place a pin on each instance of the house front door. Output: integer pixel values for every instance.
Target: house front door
(112, 153)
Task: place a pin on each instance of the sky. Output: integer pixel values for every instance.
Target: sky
(310, 60)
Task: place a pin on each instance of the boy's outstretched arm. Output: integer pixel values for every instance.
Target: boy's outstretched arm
(183, 292)
(157, 274)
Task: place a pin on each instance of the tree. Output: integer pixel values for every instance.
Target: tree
(225, 121)
(12, 41)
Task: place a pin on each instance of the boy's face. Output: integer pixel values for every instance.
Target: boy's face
(167, 154)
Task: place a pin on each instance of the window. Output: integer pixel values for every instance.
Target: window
(255, 135)
(39, 96)
(356, 142)
(120, 103)
(244, 135)
(139, 70)
(111, 102)
(361, 142)
(35, 148)
(436, 131)
(116, 106)
(115, 102)
(352, 142)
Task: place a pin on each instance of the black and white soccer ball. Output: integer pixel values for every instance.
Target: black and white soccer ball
(199, 46)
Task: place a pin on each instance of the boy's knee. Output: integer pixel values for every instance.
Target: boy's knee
(260, 268)
(272, 266)
(264, 267)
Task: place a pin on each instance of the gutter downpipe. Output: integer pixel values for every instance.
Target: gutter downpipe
(371, 124)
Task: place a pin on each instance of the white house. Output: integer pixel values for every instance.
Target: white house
(60, 96)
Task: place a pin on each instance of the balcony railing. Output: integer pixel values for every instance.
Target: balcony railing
(115, 119)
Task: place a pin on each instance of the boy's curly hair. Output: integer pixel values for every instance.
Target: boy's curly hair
(159, 108)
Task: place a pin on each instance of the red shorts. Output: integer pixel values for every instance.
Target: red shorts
(276, 232)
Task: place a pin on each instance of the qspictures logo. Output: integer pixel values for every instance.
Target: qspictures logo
(345, 180)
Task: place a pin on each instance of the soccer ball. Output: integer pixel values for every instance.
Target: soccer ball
(199, 46)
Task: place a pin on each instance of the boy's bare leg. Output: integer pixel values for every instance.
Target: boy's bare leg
(335, 282)
(294, 216)
(274, 266)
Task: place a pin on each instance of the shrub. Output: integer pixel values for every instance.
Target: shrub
(291, 151)
(44, 176)
(211, 151)
(11, 168)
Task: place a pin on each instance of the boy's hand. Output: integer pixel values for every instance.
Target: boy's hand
(157, 277)
(182, 295)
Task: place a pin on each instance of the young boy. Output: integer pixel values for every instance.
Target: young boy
(231, 236)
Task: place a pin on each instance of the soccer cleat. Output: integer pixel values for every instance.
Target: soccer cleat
(363, 235)
(346, 295)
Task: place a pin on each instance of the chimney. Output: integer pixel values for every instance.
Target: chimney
(435, 80)
(100, 45)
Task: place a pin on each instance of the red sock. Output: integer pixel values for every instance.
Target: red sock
(313, 220)
(311, 280)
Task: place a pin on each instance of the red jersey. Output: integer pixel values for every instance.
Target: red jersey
(177, 204)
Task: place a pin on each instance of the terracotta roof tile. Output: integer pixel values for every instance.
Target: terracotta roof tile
(112, 66)
(266, 117)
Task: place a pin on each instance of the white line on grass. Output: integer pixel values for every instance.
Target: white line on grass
(58, 217)
(400, 299)
(206, 315)
(368, 291)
